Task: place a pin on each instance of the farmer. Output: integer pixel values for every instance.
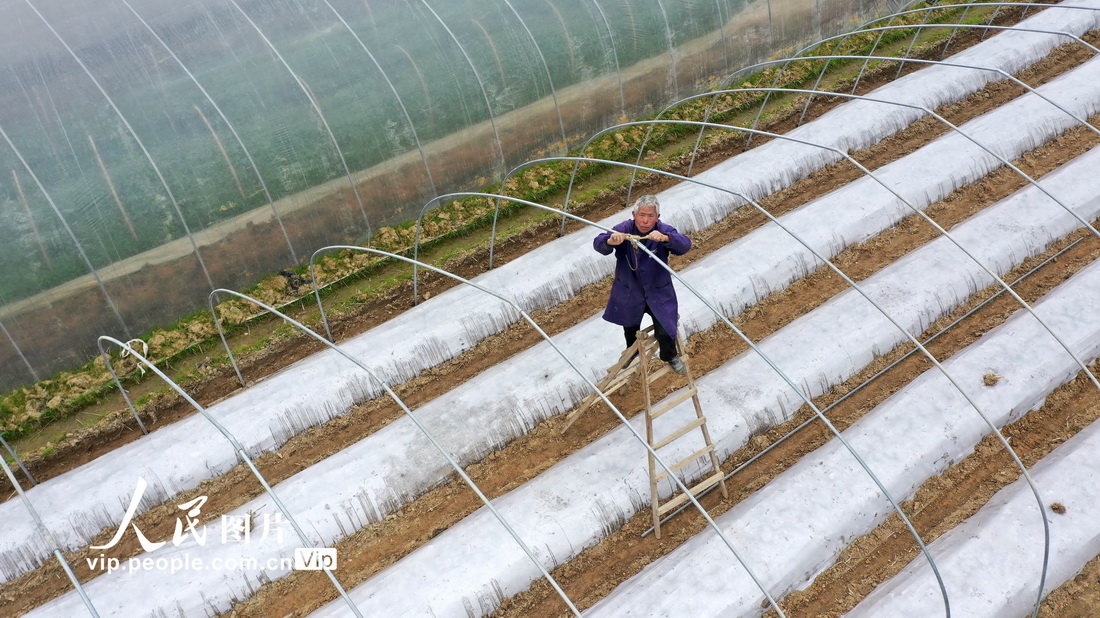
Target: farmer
(642, 286)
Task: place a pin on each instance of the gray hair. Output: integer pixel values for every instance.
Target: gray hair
(647, 200)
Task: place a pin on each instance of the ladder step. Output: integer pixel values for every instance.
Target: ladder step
(680, 432)
(619, 381)
(683, 462)
(684, 395)
(624, 359)
(659, 373)
(703, 485)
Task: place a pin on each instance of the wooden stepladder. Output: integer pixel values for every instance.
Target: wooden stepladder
(643, 359)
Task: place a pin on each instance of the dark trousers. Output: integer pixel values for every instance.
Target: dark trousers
(666, 341)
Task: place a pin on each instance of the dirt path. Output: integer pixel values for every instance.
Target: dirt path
(1079, 596)
(599, 569)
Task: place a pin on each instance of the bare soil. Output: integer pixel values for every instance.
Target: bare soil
(939, 505)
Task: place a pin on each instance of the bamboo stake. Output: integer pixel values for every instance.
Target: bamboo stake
(30, 217)
(221, 147)
(111, 185)
(493, 47)
(423, 83)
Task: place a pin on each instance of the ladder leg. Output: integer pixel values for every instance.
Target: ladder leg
(699, 412)
(655, 500)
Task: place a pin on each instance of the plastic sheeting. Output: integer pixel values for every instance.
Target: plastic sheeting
(742, 398)
(583, 498)
(154, 150)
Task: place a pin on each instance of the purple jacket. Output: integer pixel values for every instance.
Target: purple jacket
(639, 281)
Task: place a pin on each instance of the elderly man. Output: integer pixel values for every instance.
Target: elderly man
(641, 285)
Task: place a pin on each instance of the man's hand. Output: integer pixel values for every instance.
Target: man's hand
(617, 238)
(659, 237)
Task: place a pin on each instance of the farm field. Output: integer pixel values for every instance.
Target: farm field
(411, 538)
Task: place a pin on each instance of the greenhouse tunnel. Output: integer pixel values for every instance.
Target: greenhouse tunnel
(152, 151)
